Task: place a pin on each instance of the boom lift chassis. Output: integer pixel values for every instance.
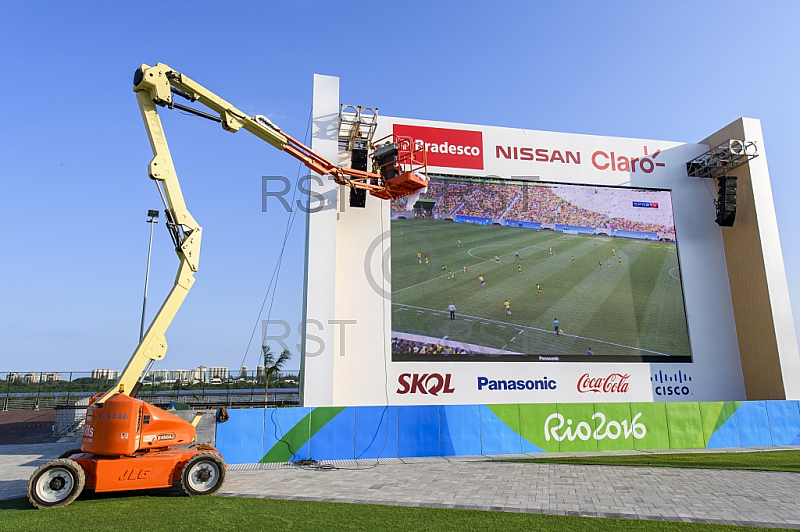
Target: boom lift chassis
(128, 444)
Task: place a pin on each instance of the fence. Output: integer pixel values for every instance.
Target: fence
(69, 419)
(54, 390)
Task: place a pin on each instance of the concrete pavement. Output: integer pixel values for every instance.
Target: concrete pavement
(18, 462)
(755, 498)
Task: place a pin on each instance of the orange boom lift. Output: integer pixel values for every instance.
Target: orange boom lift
(127, 443)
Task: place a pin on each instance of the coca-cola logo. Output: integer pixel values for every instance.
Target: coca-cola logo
(425, 383)
(614, 383)
(451, 148)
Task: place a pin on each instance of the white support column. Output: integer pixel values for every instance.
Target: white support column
(363, 304)
(773, 263)
(318, 333)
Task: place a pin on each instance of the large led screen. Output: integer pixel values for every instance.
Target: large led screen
(503, 270)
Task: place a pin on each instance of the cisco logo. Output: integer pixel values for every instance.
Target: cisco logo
(670, 385)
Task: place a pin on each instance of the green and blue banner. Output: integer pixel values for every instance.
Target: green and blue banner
(369, 432)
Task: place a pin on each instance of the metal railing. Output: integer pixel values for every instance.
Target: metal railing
(53, 390)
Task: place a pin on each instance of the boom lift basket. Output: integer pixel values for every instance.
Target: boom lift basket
(402, 163)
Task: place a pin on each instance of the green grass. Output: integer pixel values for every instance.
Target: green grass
(176, 513)
(759, 461)
(632, 308)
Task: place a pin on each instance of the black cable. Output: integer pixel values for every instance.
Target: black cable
(383, 311)
(279, 264)
(277, 424)
(385, 367)
(315, 465)
(276, 270)
(292, 218)
(195, 112)
(310, 463)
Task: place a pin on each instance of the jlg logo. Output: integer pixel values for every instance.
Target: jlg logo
(136, 474)
(426, 383)
(452, 148)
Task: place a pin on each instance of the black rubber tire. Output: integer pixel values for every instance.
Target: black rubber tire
(203, 474)
(66, 481)
(67, 454)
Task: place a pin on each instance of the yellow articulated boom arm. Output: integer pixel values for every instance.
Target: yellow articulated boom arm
(162, 84)
(156, 86)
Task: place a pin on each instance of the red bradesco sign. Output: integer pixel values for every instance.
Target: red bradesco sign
(452, 148)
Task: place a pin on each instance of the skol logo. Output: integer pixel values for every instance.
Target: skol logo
(426, 383)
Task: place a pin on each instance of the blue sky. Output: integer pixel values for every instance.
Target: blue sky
(75, 153)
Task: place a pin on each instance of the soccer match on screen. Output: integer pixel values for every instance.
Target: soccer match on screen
(509, 270)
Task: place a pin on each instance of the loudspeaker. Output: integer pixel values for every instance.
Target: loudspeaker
(386, 159)
(358, 197)
(726, 201)
(359, 159)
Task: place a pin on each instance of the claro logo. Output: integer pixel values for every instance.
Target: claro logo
(425, 383)
(452, 148)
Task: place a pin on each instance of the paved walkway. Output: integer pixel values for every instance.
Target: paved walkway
(753, 498)
(18, 462)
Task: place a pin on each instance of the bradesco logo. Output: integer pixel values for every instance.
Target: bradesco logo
(452, 148)
(674, 384)
(424, 383)
(614, 383)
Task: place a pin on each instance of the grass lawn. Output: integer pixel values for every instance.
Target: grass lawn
(760, 461)
(618, 296)
(175, 513)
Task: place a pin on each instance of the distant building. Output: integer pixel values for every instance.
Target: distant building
(218, 372)
(243, 372)
(159, 374)
(183, 375)
(109, 374)
(13, 376)
(31, 378)
(260, 373)
(52, 376)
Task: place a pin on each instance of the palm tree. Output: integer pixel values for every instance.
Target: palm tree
(271, 365)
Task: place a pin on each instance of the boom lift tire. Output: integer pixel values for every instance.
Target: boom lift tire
(203, 474)
(56, 483)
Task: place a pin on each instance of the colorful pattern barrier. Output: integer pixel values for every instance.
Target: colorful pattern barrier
(339, 433)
